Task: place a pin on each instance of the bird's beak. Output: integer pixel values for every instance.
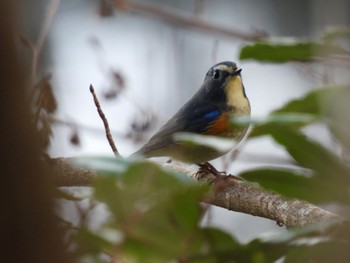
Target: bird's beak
(236, 72)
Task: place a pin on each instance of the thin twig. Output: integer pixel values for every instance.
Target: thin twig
(186, 21)
(105, 122)
(75, 125)
(340, 60)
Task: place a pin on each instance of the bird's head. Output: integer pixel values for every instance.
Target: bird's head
(223, 83)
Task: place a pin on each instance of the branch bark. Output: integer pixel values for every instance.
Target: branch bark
(229, 192)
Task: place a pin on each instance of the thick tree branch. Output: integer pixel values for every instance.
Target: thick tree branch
(241, 196)
(229, 192)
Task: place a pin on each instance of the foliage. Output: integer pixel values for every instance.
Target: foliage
(154, 216)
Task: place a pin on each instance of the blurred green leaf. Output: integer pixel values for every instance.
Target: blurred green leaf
(90, 243)
(312, 155)
(328, 251)
(107, 165)
(335, 106)
(275, 246)
(142, 184)
(328, 104)
(313, 102)
(213, 245)
(294, 184)
(336, 32)
(309, 104)
(217, 240)
(260, 251)
(210, 142)
(263, 126)
(342, 231)
(277, 118)
(286, 52)
(157, 211)
(218, 246)
(296, 113)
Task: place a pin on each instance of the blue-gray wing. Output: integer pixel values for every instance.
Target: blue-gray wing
(195, 116)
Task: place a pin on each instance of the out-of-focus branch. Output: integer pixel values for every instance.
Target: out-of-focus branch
(37, 48)
(30, 231)
(186, 20)
(229, 192)
(66, 174)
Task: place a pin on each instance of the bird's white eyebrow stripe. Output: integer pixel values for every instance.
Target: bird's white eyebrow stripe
(225, 68)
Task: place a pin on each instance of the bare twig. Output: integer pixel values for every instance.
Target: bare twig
(310, 72)
(187, 21)
(340, 60)
(229, 193)
(75, 126)
(105, 122)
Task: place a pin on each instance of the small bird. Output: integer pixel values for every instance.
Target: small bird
(221, 97)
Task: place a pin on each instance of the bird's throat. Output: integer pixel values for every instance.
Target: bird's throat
(235, 96)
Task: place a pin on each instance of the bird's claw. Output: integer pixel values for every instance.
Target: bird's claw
(206, 167)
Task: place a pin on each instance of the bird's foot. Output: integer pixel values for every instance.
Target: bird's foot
(209, 168)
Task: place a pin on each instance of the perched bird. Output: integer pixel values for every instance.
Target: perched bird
(221, 97)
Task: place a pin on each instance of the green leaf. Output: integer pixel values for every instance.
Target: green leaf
(314, 102)
(90, 243)
(312, 155)
(217, 246)
(218, 240)
(263, 126)
(328, 251)
(336, 32)
(212, 245)
(285, 52)
(335, 106)
(165, 231)
(141, 184)
(211, 142)
(301, 185)
(296, 113)
(309, 104)
(328, 104)
(156, 210)
(106, 165)
(269, 248)
(261, 251)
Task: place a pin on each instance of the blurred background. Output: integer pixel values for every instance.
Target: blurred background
(146, 58)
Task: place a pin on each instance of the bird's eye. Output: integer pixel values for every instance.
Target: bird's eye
(216, 74)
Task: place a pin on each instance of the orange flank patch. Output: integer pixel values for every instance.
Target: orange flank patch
(218, 126)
